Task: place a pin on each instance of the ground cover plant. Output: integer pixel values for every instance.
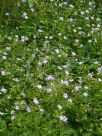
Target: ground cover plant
(50, 68)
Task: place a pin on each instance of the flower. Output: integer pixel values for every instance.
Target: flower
(65, 95)
(85, 94)
(59, 106)
(49, 77)
(39, 86)
(70, 100)
(35, 100)
(65, 82)
(77, 87)
(2, 113)
(28, 109)
(63, 118)
(3, 90)
(4, 57)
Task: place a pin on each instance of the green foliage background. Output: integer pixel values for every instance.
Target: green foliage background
(84, 113)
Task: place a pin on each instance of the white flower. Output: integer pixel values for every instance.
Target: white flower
(70, 100)
(35, 100)
(42, 110)
(17, 107)
(65, 95)
(71, 80)
(90, 3)
(32, 9)
(12, 112)
(87, 11)
(99, 70)
(3, 73)
(71, 19)
(39, 86)
(40, 30)
(8, 48)
(49, 77)
(13, 117)
(23, 0)
(86, 87)
(99, 79)
(90, 75)
(39, 63)
(65, 37)
(45, 61)
(73, 54)
(24, 38)
(49, 90)
(28, 109)
(15, 79)
(4, 57)
(3, 90)
(7, 14)
(82, 12)
(81, 45)
(63, 118)
(86, 18)
(74, 30)
(85, 94)
(72, 6)
(25, 15)
(57, 50)
(59, 34)
(61, 18)
(2, 113)
(66, 72)
(59, 106)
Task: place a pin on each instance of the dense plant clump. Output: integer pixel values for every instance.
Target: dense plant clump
(51, 68)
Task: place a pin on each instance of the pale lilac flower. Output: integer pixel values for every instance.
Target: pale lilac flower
(77, 87)
(49, 77)
(35, 100)
(45, 61)
(63, 118)
(2, 113)
(28, 109)
(65, 82)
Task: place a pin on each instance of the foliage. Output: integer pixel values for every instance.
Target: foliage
(51, 68)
